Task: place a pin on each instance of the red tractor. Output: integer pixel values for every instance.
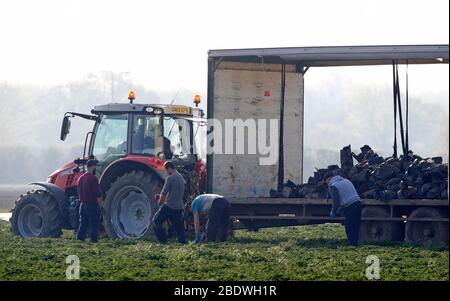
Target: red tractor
(132, 142)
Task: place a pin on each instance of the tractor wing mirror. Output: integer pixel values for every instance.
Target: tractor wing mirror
(65, 128)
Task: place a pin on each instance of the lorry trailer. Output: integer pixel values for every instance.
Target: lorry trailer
(268, 84)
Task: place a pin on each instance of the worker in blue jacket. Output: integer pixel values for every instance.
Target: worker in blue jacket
(218, 209)
(345, 198)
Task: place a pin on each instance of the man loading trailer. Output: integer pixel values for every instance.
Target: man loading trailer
(345, 197)
(218, 210)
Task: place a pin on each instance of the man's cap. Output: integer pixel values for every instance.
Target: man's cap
(329, 174)
(92, 162)
(169, 164)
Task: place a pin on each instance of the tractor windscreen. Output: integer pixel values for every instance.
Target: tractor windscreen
(146, 135)
(111, 137)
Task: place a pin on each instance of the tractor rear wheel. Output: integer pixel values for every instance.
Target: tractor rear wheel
(36, 214)
(379, 230)
(427, 232)
(130, 205)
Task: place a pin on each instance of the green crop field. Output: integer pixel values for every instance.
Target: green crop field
(291, 253)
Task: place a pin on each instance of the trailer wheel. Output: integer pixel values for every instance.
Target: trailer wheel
(379, 230)
(130, 205)
(36, 214)
(427, 232)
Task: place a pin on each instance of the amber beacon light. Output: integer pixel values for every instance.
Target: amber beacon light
(131, 96)
(197, 100)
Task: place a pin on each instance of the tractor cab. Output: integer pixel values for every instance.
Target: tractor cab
(158, 132)
(162, 131)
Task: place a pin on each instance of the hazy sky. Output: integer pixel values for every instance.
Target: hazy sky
(49, 47)
(164, 44)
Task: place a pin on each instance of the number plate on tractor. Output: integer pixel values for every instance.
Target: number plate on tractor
(180, 110)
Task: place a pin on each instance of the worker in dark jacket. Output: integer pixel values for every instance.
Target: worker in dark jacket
(91, 199)
(218, 210)
(171, 201)
(345, 197)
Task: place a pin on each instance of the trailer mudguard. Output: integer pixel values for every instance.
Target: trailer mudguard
(61, 199)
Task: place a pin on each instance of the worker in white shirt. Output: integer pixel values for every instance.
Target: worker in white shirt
(218, 210)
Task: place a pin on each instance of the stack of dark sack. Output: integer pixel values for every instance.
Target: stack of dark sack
(375, 177)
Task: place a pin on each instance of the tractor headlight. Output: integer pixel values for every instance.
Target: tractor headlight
(158, 111)
(149, 109)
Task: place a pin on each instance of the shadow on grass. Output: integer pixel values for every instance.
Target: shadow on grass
(335, 243)
(312, 243)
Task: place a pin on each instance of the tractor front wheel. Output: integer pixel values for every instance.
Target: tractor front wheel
(130, 205)
(36, 214)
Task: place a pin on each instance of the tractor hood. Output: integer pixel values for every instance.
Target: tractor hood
(67, 169)
(65, 176)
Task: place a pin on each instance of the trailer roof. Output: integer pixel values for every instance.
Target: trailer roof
(326, 56)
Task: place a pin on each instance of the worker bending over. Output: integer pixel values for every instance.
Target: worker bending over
(171, 199)
(345, 197)
(218, 210)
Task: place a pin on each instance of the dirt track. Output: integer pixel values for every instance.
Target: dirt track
(10, 193)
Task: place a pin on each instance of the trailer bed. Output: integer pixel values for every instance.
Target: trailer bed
(303, 201)
(398, 219)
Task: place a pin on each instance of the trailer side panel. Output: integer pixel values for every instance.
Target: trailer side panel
(251, 92)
